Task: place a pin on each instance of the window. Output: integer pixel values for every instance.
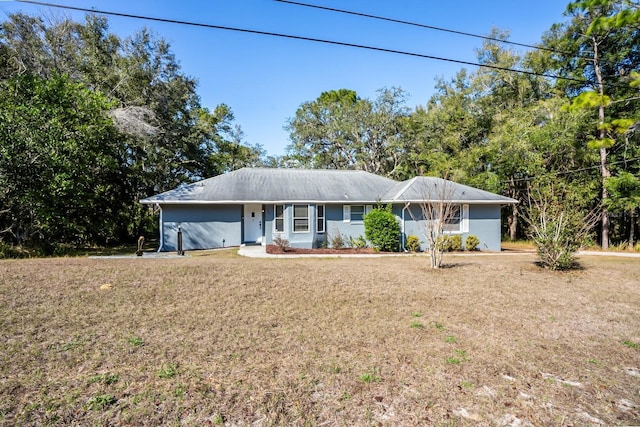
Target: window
(357, 213)
(300, 218)
(453, 220)
(320, 218)
(278, 223)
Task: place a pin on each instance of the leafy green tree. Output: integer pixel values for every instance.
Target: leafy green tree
(339, 130)
(485, 128)
(61, 165)
(599, 45)
(624, 191)
(321, 131)
(158, 133)
(446, 127)
(534, 141)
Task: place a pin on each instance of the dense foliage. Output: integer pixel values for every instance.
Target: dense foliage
(91, 123)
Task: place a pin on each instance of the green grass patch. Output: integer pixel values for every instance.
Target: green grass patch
(439, 326)
(136, 341)
(106, 379)
(169, 371)
(101, 401)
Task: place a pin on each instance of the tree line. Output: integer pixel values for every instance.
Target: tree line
(90, 123)
(521, 134)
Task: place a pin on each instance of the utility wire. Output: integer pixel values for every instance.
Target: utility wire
(310, 39)
(430, 27)
(531, 178)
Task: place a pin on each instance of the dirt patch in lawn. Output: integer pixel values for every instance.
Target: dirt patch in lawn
(227, 340)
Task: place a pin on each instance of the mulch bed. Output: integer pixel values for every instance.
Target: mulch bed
(273, 249)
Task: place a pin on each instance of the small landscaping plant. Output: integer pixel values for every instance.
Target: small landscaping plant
(358, 242)
(471, 243)
(456, 242)
(413, 243)
(450, 243)
(443, 244)
(337, 241)
(282, 243)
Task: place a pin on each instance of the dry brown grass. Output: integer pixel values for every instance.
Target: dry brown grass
(219, 339)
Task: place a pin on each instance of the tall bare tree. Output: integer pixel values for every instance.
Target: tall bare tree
(437, 211)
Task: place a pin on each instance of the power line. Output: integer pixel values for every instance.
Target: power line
(531, 178)
(430, 27)
(310, 39)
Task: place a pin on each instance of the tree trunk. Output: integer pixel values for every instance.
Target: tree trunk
(604, 170)
(632, 225)
(513, 223)
(513, 217)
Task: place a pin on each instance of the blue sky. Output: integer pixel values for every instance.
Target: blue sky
(265, 79)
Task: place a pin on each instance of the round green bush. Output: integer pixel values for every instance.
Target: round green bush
(456, 242)
(382, 229)
(471, 243)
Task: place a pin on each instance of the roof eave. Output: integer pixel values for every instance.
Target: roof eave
(464, 202)
(267, 202)
(242, 202)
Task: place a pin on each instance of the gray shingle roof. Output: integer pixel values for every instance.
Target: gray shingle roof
(428, 188)
(265, 185)
(281, 185)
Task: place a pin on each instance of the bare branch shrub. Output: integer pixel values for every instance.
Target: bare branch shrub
(437, 210)
(558, 227)
(282, 243)
(337, 240)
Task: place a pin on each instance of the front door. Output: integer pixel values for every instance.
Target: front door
(252, 223)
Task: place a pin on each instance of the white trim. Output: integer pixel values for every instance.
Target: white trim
(405, 188)
(367, 209)
(346, 213)
(293, 218)
(465, 218)
(459, 229)
(403, 229)
(161, 247)
(275, 216)
(324, 218)
(326, 202)
(459, 202)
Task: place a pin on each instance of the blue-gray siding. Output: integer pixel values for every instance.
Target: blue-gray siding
(484, 223)
(203, 226)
